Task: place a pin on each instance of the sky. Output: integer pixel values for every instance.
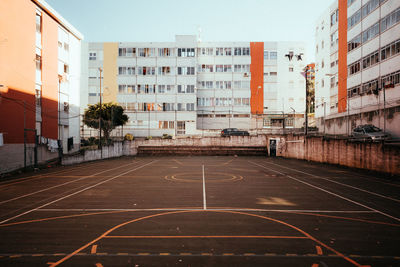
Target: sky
(219, 20)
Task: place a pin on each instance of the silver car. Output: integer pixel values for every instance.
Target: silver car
(369, 132)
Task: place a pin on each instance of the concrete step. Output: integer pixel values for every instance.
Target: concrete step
(202, 150)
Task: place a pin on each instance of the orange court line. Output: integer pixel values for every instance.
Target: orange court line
(62, 217)
(208, 236)
(109, 231)
(306, 234)
(344, 218)
(319, 250)
(105, 234)
(39, 176)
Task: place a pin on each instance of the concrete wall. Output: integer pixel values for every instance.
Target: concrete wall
(12, 156)
(116, 150)
(130, 148)
(370, 156)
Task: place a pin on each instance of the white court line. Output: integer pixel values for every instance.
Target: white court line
(329, 192)
(323, 178)
(204, 191)
(4, 184)
(82, 178)
(211, 209)
(80, 191)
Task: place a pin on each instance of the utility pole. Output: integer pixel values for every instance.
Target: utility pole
(306, 113)
(101, 109)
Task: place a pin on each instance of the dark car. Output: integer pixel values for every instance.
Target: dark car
(233, 132)
(369, 132)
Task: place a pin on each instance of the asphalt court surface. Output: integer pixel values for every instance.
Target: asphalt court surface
(199, 211)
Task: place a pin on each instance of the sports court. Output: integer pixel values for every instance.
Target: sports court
(200, 211)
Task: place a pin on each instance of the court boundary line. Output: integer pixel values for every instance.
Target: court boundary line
(55, 186)
(204, 190)
(111, 211)
(4, 184)
(227, 209)
(329, 192)
(339, 183)
(72, 194)
(105, 234)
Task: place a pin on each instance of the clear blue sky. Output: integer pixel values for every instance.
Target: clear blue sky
(220, 20)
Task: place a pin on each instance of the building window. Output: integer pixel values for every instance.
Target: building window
(38, 63)
(354, 43)
(186, 71)
(38, 23)
(369, 7)
(371, 32)
(354, 19)
(290, 69)
(186, 52)
(92, 56)
(265, 54)
(166, 70)
(390, 20)
(66, 68)
(121, 70)
(273, 55)
(38, 95)
(334, 38)
(334, 17)
(165, 52)
(146, 52)
(349, 2)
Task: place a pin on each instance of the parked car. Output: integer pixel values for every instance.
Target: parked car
(233, 131)
(369, 132)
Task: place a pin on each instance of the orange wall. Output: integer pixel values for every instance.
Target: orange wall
(49, 77)
(342, 68)
(17, 68)
(257, 77)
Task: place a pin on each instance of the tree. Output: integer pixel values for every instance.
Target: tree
(111, 115)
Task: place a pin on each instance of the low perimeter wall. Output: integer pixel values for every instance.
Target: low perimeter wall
(370, 156)
(130, 148)
(364, 155)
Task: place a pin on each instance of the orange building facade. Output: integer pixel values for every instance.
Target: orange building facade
(29, 76)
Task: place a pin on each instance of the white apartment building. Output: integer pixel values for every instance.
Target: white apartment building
(187, 86)
(368, 69)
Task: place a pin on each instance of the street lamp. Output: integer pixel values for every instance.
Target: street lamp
(101, 109)
(306, 112)
(294, 117)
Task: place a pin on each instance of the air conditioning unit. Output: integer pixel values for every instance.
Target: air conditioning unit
(246, 74)
(66, 106)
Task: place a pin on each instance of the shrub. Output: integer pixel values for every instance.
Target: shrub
(129, 137)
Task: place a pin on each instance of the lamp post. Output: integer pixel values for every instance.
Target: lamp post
(101, 109)
(306, 112)
(294, 117)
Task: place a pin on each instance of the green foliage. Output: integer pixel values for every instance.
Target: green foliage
(110, 114)
(129, 137)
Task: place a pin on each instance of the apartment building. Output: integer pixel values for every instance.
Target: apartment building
(187, 86)
(364, 76)
(40, 84)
